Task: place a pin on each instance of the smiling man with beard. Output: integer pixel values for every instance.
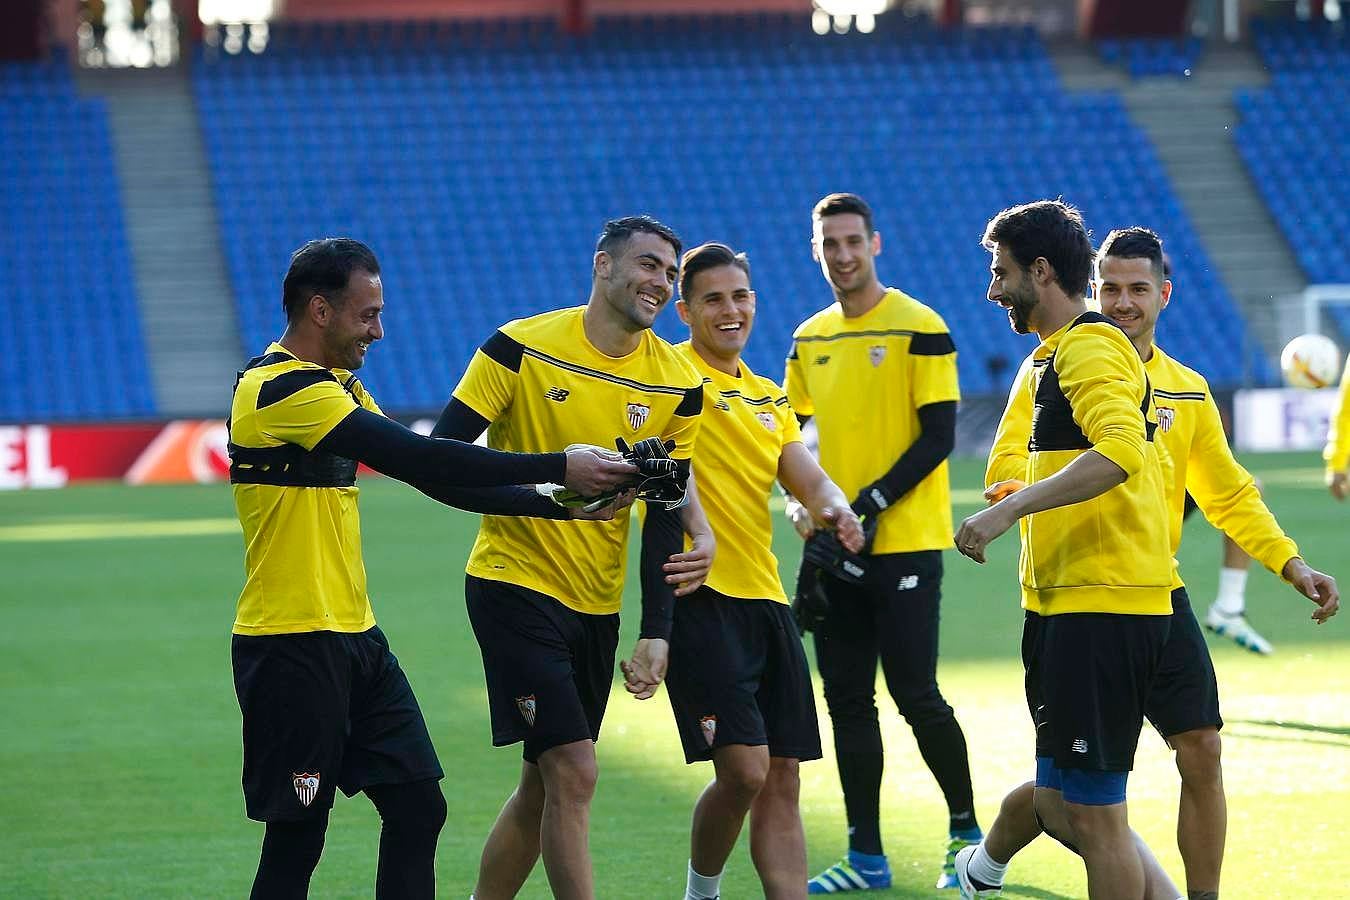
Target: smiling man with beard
(543, 595)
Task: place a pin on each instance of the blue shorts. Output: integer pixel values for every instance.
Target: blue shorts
(1085, 787)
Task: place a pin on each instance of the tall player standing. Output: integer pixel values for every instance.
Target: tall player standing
(739, 684)
(1183, 702)
(543, 595)
(877, 370)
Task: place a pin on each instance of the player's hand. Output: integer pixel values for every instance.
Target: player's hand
(800, 517)
(689, 570)
(977, 531)
(644, 672)
(997, 491)
(606, 512)
(1318, 587)
(591, 471)
(1339, 485)
(845, 524)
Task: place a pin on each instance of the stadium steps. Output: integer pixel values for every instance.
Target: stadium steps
(187, 311)
(1190, 121)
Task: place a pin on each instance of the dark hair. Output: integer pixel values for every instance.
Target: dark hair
(617, 232)
(1136, 242)
(709, 256)
(1047, 228)
(324, 267)
(839, 204)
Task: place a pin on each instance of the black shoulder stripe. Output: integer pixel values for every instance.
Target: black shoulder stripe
(692, 404)
(287, 383)
(1092, 316)
(503, 350)
(792, 354)
(270, 359)
(931, 344)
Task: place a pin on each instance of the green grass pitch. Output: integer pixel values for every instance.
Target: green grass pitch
(121, 733)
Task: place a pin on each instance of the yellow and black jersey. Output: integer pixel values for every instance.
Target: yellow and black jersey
(1109, 554)
(864, 380)
(747, 422)
(297, 506)
(1337, 452)
(1196, 458)
(542, 385)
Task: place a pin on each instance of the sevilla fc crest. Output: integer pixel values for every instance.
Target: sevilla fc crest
(1166, 416)
(637, 415)
(526, 705)
(306, 787)
(767, 420)
(708, 725)
(876, 354)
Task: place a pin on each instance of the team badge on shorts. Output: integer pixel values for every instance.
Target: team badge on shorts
(876, 354)
(767, 420)
(1166, 416)
(306, 787)
(637, 415)
(526, 705)
(708, 725)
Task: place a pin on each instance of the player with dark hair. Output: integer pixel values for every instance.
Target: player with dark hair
(739, 683)
(877, 370)
(1095, 567)
(1183, 702)
(544, 596)
(324, 702)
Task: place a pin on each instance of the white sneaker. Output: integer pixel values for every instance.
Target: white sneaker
(968, 889)
(1238, 630)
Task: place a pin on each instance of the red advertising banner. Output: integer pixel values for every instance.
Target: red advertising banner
(51, 456)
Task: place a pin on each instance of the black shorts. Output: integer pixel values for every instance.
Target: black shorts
(1188, 507)
(549, 668)
(1184, 695)
(1088, 677)
(738, 675)
(324, 710)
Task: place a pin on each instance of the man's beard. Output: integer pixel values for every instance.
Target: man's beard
(1020, 307)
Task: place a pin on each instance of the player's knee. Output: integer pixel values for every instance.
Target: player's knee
(416, 808)
(745, 777)
(850, 706)
(570, 773)
(1020, 803)
(1199, 756)
(924, 707)
(296, 844)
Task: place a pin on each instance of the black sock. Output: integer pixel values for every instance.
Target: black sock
(943, 748)
(860, 777)
(413, 815)
(290, 851)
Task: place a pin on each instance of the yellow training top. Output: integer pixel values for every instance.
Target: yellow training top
(302, 534)
(1109, 554)
(1337, 452)
(543, 385)
(864, 380)
(747, 423)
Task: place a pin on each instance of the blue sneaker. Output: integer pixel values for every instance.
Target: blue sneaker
(955, 844)
(855, 872)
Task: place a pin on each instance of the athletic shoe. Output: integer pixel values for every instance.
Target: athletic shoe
(954, 846)
(1238, 630)
(852, 873)
(968, 889)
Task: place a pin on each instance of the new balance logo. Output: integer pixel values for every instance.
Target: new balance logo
(556, 394)
(853, 569)
(822, 360)
(908, 583)
(1078, 746)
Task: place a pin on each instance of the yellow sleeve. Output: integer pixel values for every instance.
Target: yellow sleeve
(1226, 493)
(794, 383)
(684, 425)
(1008, 455)
(489, 383)
(932, 367)
(302, 406)
(1337, 452)
(1103, 379)
(363, 397)
(787, 417)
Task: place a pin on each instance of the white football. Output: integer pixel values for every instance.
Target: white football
(1311, 361)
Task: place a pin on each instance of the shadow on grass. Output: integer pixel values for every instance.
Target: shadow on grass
(1023, 890)
(1343, 730)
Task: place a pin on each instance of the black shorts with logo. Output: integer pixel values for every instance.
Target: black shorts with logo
(549, 668)
(738, 675)
(1184, 695)
(324, 710)
(1088, 677)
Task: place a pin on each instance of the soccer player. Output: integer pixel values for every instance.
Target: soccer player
(1337, 451)
(1095, 567)
(544, 596)
(877, 370)
(324, 702)
(739, 684)
(1183, 702)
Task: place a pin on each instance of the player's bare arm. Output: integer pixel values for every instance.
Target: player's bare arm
(1318, 587)
(820, 499)
(1088, 476)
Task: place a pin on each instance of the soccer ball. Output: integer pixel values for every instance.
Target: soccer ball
(1310, 361)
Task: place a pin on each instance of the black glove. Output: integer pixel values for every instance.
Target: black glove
(870, 503)
(810, 603)
(824, 551)
(663, 480)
